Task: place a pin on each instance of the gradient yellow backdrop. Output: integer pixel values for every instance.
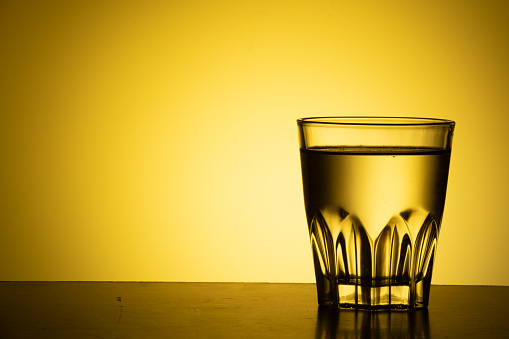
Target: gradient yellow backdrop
(156, 140)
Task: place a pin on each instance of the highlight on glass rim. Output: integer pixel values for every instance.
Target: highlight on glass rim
(374, 194)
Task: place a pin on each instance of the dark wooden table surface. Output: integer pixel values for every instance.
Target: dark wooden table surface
(235, 310)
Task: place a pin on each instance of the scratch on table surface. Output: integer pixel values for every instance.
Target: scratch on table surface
(120, 315)
(119, 299)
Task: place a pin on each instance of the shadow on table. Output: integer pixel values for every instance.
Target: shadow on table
(334, 323)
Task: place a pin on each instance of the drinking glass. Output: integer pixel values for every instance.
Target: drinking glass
(374, 194)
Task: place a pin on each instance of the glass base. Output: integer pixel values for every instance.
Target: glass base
(348, 296)
(391, 272)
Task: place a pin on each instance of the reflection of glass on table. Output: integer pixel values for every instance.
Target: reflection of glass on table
(335, 323)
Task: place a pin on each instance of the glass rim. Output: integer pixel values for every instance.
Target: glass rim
(374, 121)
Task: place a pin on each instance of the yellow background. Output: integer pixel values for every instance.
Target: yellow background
(156, 140)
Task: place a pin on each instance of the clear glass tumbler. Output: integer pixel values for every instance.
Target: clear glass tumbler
(374, 193)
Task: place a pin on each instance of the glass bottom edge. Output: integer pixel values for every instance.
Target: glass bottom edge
(375, 298)
(354, 307)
